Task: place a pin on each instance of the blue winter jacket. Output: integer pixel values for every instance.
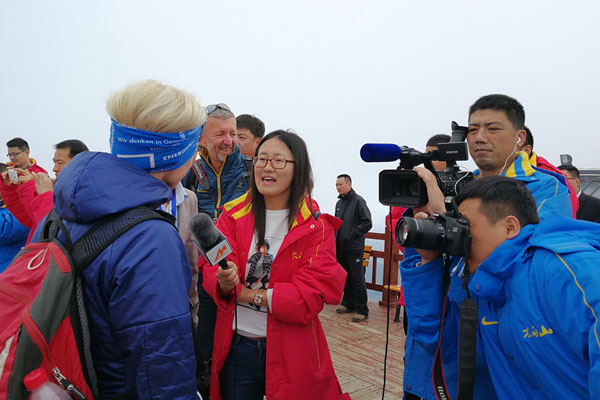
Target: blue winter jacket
(13, 236)
(217, 188)
(552, 198)
(539, 301)
(136, 291)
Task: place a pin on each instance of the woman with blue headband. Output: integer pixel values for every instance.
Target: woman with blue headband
(136, 290)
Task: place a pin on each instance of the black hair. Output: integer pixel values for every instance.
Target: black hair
(437, 139)
(301, 186)
(253, 124)
(570, 168)
(18, 142)
(528, 137)
(512, 108)
(500, 197)
(75, 146)
(346, 177)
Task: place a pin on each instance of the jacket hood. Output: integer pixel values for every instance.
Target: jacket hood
(96, 184)
(559, 234)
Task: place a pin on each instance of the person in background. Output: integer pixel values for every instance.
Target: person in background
(277, 346)
(218, 176)
(35, 196)
(136, 290)
(352, 209)
(589, 206)
(13, 234)
(250, 130)
(540, 162)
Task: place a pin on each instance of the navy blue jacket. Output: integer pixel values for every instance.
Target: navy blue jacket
(136, 290)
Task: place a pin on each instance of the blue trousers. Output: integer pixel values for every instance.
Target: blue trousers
(243, 375)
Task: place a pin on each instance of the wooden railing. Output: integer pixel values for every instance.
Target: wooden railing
(390, 275)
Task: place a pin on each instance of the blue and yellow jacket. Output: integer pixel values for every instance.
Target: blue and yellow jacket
(552, 198)
(215, 188)
(539, 302)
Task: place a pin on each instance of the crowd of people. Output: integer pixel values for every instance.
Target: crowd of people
(164, 323)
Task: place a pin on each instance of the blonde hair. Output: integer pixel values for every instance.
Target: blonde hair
(155, 107)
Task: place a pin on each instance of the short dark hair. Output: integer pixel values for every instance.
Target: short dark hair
(346, 177)
(512, 108)
(3, 167)
(500, 197)
(75, 146)
(437, 139)
(18, 142)
(570, 168)
(528, 137)
(301, 186)
(253, 124)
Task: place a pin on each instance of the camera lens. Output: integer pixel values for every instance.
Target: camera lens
(427, 234)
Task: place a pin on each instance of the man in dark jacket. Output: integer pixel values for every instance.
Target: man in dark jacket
(589, 206)
(350, 243)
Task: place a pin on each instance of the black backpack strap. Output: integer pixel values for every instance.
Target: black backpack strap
(109, 229)
(52, 226)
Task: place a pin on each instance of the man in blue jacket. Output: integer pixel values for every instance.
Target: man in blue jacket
(537, 287)
(496, 128)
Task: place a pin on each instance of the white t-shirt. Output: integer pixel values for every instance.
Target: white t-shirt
(252, 319)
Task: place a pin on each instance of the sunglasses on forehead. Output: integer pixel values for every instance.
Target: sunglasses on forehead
(214, 107)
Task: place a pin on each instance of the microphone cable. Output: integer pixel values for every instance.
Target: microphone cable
(387, 326)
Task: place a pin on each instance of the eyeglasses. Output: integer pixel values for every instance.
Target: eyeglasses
(277, 163)
(214, 107)
(9, 155)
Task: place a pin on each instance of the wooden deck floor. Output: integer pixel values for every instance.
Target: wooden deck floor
(358, 349)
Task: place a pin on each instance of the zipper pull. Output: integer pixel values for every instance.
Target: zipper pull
(68, 386)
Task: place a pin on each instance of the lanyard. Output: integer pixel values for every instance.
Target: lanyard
(174, 205)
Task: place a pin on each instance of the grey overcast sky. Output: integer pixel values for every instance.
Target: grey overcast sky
(339, 73)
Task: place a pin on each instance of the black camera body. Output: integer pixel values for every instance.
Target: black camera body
(448, 233)
(402, 187)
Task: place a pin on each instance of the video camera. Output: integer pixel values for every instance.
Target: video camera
(449, 233)
(402, 187)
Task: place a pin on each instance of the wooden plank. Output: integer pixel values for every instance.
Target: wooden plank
(358, 351)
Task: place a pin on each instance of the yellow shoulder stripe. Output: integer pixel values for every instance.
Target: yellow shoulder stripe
(584, 299)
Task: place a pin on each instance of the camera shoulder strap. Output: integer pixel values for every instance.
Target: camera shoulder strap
(468, 320)
(438, 380)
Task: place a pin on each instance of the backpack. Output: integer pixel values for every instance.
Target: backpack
(44, 323)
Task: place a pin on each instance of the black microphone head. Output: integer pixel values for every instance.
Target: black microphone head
(203, 229)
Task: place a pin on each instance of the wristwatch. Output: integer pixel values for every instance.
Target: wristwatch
(258, 297)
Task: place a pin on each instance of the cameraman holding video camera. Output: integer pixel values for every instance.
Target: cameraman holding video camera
(525, 275)
(496, 127)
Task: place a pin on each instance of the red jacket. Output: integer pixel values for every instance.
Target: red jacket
(12, 195)
(304, 276)
(542, 163)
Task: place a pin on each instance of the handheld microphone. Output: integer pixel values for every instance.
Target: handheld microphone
(380, 152)
(210, 241)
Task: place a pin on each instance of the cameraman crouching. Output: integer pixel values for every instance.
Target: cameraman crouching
(537, 288)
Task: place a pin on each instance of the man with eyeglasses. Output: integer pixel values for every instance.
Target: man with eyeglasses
(18, 153)
(218, 176)
(350, 244)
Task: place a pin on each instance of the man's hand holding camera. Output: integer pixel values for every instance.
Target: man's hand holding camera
(434, 205)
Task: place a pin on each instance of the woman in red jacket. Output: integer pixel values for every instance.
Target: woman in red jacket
(282, 270)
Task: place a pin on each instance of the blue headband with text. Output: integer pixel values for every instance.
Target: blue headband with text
(151, 151)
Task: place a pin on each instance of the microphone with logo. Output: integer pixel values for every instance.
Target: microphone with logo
(210, 241)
